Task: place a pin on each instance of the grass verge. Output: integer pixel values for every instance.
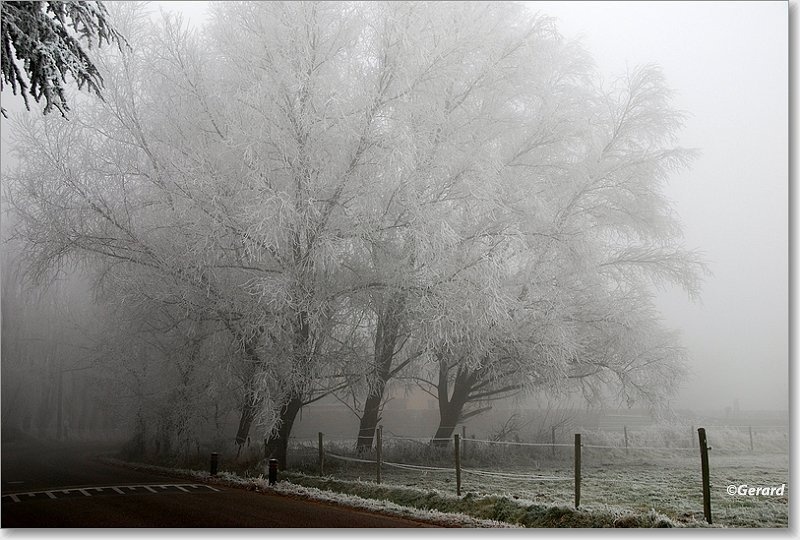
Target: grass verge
(432, 505)
(513, 511)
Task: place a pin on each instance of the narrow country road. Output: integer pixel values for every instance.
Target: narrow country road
(66, 486)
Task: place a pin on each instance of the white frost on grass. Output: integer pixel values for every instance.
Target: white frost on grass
(387, 507)
(286, 488)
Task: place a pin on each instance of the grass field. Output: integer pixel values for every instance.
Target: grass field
(667, 481)
(657, 483)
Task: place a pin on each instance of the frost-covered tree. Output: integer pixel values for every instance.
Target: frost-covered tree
(107, 201)
(596, 233)
(41, 46)
(437, 218)
(219, 214)
(435, 187)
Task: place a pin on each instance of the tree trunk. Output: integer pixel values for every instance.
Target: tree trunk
(387, 332)
(449, 416)
(249, 411)
(369, 421)
(278, 442)
(451, 407)
(252, 401)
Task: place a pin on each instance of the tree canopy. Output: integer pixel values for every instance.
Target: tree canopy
(441, 194)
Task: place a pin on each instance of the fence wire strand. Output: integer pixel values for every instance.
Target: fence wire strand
(345, 458)
(512, 476)
(426, 469)
(415, 439)
(604, 447)
(513, 443)
(417, 467)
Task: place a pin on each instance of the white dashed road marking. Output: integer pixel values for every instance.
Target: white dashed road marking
(107, 490)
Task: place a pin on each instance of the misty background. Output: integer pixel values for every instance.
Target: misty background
(728, 63)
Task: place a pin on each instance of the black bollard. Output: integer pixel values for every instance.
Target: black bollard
(273, 471)
(214, 463)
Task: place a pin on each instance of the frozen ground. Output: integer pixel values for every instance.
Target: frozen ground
(445, 519)
(612, 484)
(670, 485)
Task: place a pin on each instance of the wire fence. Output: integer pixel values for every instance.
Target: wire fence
(462, 461)
(516, 443)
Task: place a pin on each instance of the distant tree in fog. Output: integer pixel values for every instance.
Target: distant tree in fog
(49, 366)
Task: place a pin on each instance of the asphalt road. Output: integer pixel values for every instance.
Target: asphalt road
(67, 486)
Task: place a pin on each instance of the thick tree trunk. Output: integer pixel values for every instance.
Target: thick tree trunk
(451, 407)
(369, 422)
(248, 414)
(278, 442)
(252, 401)
(387, 332)
(449, 416)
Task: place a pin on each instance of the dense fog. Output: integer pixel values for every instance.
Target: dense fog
(288, 218)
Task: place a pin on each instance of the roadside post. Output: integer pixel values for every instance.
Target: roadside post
(214, 463)
(273, 471)
(701, 432)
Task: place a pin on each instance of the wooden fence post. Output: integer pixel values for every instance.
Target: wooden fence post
(577, 470)
(701, 432)
(378, 451)
(751, 439)
(457, 455)
(625, 430)
(273, 471)
(321, 456)
(214, 463)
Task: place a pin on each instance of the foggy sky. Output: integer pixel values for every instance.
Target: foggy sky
(728, 62)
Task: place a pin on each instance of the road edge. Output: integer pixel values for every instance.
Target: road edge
(296, 491)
